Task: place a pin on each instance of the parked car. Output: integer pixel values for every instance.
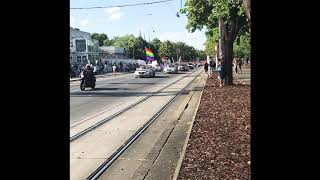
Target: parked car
(190, 66)
(144, 71)
(170, 69)
(158, 68)
(183, 67)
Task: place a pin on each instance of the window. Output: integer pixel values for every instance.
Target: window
(80, 45)
(84, 59)
(89, 48)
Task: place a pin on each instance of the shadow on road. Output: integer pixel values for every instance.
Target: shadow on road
(103, 89)
(91, 93)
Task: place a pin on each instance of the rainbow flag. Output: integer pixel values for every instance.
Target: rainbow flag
(149, 54)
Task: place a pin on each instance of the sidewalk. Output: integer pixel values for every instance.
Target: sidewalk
(219, 144)
(244, 77)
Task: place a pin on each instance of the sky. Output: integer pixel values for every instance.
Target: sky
(155, 20)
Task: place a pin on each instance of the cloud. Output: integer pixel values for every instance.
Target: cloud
(114, 14)
(113, 10)
(196, 39)
(84, 22)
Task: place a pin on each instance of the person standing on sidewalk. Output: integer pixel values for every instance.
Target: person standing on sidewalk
(221, 71)
(114, 68)
(236, 65)
(206, 67)
(95, 69)
(240, 64)
(210, 67)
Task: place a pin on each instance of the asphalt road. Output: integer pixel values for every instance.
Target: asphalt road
(110, 92)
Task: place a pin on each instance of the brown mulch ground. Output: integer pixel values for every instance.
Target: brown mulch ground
(219, 144)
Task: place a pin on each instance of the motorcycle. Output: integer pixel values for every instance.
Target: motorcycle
(87, 81)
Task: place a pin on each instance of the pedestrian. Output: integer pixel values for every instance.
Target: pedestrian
(95, 69)
(221, 71)
(240, 65)
(114, 68)
(210, 67)
(71, 69)
(101, 69)
(236, 62)
(121, 66)
(214, 65)
(206, 67)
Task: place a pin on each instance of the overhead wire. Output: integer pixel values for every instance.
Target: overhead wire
(125, 5)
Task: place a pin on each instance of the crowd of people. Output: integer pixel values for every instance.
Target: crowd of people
(75, 70)
(210, 65)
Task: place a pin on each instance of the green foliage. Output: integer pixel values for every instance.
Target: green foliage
(159, 49)
(178, 49)
(207, 13)
(102, 38)
(139, 48)
(128, 42)
(201, 55)
(243, 48)
(155, 46)
(212, 37)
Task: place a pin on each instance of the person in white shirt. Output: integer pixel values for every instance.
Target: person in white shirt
(114, 68)
(95, 70)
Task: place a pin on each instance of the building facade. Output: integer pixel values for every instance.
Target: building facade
(83, 49)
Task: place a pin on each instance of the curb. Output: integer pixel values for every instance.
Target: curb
(183, 152)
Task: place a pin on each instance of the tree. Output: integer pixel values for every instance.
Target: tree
(102, 38)
(201, 55)
(108, 42)
(155, 46)
(139, 48)
(211, 39)
(166, 49)
(127, 42)
(242, 48)
(208, 13)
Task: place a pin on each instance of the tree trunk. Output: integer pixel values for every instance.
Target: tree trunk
(228, 47)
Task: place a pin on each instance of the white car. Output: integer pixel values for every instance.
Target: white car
(158, 68)
(170, 69)
(144, 71)
(190, 66)
(183, 68)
